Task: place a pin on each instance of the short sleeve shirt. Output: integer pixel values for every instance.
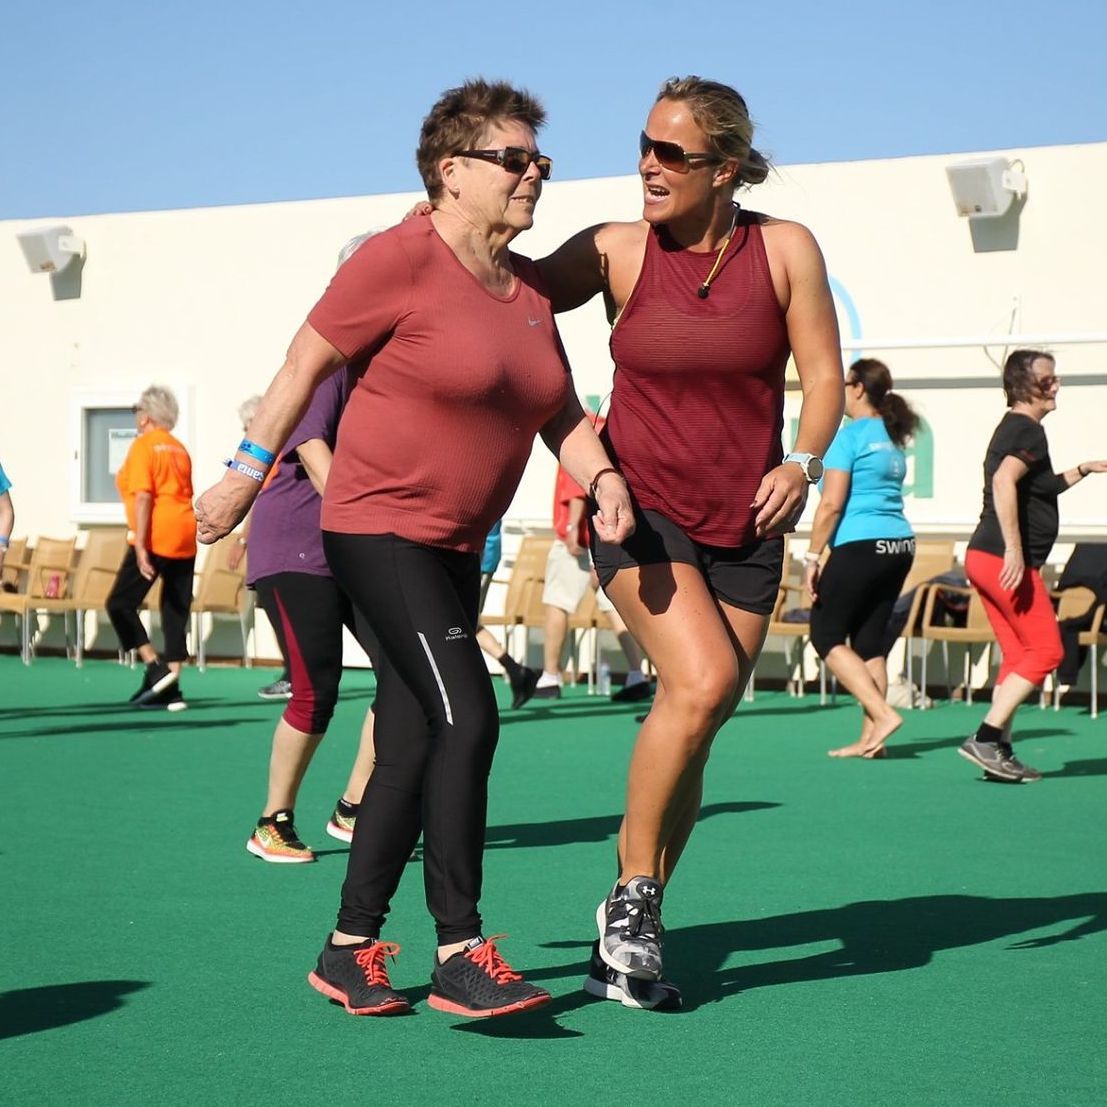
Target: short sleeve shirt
(285, 535)
(1022, 437)
(157, 463)
(453, 385)
(876, 466)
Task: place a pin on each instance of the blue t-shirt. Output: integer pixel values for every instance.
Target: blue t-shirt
(5, 484)
(876, 466)
(493, 545)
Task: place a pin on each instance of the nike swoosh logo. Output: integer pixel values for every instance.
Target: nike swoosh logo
(534, 322)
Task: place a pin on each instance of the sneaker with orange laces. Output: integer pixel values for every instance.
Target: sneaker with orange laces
(356, 977)
(478, 983)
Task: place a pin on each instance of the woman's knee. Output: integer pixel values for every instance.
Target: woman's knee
(706, 696)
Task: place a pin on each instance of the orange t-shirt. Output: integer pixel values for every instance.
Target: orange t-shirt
(157, 463)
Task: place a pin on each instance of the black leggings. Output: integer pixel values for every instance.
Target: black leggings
(436, 731)
(308, 613)
(858, 587)
(129, 590)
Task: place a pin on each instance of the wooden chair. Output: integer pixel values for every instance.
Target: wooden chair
(14, 558)
(95, 573)
(221, 590)
(1093, 638)
(48, 573)
(1071, 604)
(528, 566)
(976, 631)
(933, 556)
(790, 597)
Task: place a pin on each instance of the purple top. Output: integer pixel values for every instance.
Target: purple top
(284, 528)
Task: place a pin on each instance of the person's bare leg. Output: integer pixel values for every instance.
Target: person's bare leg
(557, 627)
(856, 677)
(363, 763)
(1007, 697)
(670, 612)
(489, 643)
(627, 641)
(292, 753)
(878, 667)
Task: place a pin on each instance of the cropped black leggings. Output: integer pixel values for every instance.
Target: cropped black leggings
(436, 731)
(308, 613)
(129, 590)
(858, 588)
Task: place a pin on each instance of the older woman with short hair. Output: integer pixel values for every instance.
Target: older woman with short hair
(1018, 526)
(457, 361)
(155, 484)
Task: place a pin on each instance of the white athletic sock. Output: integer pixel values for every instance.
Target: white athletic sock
(549, 680)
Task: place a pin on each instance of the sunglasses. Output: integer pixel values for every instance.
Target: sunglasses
(671, 156)
(514, 159)
(1046, 383)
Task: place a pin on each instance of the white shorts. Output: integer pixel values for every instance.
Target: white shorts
(568, 578)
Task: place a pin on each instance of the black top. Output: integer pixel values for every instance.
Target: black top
(1022, 437)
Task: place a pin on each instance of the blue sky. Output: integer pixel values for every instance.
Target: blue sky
(122, 106)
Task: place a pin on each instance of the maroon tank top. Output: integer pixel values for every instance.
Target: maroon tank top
(697, 406)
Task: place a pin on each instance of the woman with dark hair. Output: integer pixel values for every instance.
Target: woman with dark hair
(457, 366)
(706, 301)
(1018, 526)
(860, 517)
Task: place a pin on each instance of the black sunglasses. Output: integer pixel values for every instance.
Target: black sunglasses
(672, 156)
(514, 159)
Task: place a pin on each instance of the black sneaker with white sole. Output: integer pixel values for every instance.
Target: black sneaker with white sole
(523, 685)
(156, 679)
(169, 699)
(629, 922)
(644, 995)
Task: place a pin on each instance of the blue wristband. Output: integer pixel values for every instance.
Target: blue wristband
(256, 451)
(245, 470)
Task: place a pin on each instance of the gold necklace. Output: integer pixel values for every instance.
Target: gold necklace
(704, 289)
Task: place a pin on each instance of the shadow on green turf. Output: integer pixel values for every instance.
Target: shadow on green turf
(873, 937)
(139, 720)
(31, 1010)
(596, 828)
(905, 751)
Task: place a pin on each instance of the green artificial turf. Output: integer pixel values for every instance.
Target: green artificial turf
(844, 932)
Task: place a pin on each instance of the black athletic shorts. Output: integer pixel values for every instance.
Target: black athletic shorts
(747, 577)
(858, 588)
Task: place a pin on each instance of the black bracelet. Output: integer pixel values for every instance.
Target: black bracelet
(596, 479)
(1080, 470)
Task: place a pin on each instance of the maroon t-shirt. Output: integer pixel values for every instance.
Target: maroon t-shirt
(454, 384)
(697, 407)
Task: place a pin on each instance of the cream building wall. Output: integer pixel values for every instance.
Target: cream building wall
(206, 300)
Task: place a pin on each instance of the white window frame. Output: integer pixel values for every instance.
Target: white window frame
(86, 399)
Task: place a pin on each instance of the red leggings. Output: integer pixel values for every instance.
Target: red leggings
(1024, 621)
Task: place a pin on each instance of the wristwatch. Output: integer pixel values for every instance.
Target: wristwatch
(811, 465)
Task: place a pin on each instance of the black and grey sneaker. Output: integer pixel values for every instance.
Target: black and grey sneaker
(998, 761)
(629, 921)
(356, 977)
(156, 679)
(278, 690)
(644, 995)
(478, 983)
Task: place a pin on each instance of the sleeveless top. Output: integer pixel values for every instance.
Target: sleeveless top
(697, 406)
